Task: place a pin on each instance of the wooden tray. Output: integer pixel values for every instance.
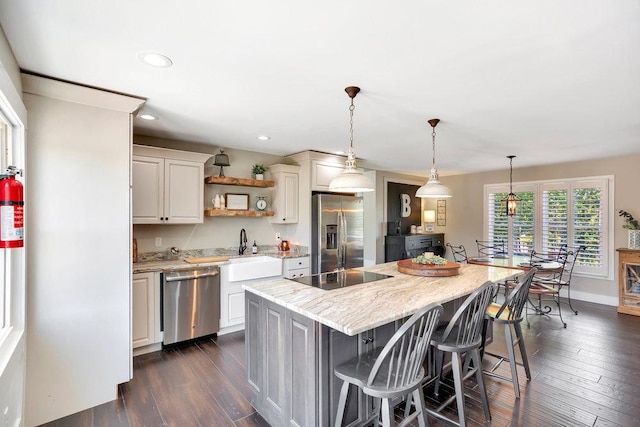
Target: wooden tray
(207, 259)
(407, 266)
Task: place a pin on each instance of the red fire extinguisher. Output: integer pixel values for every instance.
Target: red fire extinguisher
(11, 210)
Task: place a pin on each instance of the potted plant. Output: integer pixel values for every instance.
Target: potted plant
(633, 226)
(258, 170)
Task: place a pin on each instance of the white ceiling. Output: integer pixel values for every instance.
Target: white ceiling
(546, 80)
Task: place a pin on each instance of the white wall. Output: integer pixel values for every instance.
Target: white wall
(12, 347)
(79, 254)
(465, 216)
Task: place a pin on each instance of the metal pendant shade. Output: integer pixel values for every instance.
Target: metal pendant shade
(512, 200)
(433, 188)
(351, 180)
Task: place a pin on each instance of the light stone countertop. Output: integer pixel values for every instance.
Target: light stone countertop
(181, 264)
(359, 308)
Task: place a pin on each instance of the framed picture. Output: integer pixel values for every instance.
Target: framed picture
(237, 202)
(441, 213)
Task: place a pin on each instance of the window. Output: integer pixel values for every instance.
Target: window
(572, 212)
(4, 284)
(11, 260)
(522, 228)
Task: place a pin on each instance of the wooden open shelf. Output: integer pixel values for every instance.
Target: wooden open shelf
(247, 182)
(227, 212)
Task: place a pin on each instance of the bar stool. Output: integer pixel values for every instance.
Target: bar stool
(510, 314)
(463, 335)
(394, 370)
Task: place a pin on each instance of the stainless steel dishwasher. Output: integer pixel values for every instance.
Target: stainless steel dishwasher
(190, 303)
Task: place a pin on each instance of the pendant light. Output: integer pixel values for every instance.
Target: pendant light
(511, 200)
(433, 188)
(351, 180)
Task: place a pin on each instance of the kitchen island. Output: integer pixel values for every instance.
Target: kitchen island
(296, 334)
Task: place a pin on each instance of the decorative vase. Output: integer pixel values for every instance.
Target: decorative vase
(259, 176)
(634, 239)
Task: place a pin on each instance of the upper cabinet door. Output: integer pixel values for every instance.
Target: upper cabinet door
(184, 192)
(168, 186)
(322, 173)
(285, 200)
(148, 190)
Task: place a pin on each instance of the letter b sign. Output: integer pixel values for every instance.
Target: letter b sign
(405, 205)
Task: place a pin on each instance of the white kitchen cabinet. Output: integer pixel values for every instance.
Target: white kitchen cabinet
(168, 186)
(145, 309)
(322, 172)
(232, 303)
(285, 198)
(295, 267)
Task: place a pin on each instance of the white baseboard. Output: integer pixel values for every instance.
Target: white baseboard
(229, 329)
(589, 297)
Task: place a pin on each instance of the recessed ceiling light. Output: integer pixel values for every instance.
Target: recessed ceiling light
(148, 117)
(155, 59)
(264, 138)
(341, 153)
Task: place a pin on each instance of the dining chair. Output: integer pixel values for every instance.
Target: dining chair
(394, 370)
(459, 252)
(549, 270)
(462, 336)
(509, 314)
(492, 247)
(563, 280)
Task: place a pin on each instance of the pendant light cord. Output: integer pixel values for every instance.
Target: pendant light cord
(510, 174)
(433, 140)
(351, 108)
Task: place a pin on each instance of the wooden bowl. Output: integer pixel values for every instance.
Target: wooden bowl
(407, 266)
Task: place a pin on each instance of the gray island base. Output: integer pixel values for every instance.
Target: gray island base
(296, 334)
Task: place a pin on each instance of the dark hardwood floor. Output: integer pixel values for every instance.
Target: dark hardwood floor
(585, 375)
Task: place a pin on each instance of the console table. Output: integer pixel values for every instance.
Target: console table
(411, 245)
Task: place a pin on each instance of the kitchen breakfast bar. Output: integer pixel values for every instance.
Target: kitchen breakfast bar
(297, 334)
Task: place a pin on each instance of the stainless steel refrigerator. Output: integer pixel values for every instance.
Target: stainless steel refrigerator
(337, 229)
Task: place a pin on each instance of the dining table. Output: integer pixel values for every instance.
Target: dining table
(542, 286)
(518, 262)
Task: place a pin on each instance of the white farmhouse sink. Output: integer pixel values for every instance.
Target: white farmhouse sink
(255, 267)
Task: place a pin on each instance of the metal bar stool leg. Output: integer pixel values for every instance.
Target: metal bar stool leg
(342, 403)
(475, 355)
(523, 350)
(512, 359)
(387, 413)
(418, 396)
(459, 386)
(438, 371)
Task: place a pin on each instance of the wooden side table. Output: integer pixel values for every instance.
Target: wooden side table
(629, 281)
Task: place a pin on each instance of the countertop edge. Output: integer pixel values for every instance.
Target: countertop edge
(331, 308)
(181, 264)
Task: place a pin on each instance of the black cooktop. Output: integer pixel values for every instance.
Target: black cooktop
(340, 279)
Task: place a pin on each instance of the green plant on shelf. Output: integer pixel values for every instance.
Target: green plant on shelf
(258, 169)
(629, 222)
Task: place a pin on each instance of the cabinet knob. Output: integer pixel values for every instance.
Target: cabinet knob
(367, 340)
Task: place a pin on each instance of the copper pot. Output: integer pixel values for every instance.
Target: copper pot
(284, 245)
